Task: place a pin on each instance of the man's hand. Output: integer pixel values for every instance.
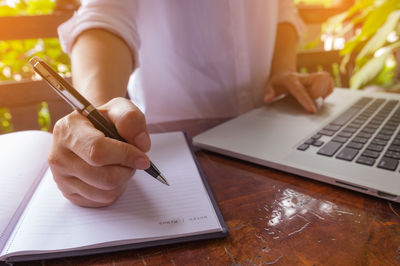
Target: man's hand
(306, 88)
(92, 170)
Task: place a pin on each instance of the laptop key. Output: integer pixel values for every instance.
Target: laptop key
(347, 154)
(345, 134)
(396, 142)
(379, 142)
(353, 125)
(340, 139)
(355, 145)
(373, 147)
(392, 124)
(368, 130)
(386, 132)
(326, 132)
(389, 127)
(359, 121)
(364, 135)
(365, 161)
(395, 148)
(330, 148)
(303, 147)
(370, 154)
(393, 155)
(360, 140)
(350, 129)
(372, 126)
(316, 136)
(388, 163)
(332, 127)
(382, 137)
(309, 141)
(318, 143)
(346, 116)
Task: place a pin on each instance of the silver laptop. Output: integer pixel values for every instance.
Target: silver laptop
(353, 141)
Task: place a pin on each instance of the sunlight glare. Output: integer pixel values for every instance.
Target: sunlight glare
(379, 52)
(392, 37)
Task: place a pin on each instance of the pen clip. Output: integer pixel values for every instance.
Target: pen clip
(57, 85)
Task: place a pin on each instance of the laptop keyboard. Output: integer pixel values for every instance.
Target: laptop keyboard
(366, 133)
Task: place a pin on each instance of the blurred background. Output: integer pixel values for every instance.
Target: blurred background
(354, 40)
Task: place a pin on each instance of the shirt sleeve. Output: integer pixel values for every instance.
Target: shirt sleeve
(115, 16)
(288, 13)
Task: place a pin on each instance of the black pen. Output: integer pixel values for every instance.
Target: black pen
(83, 106)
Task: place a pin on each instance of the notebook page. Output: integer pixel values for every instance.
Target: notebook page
(22, 163)
(147, 210)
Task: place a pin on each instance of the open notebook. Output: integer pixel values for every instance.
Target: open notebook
(37, 222)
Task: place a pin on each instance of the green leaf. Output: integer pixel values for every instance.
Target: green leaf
(350, 45)
(387, 75)
(343, 63)
(360, 6)
(371, 69)
(379, 39)
(28, 7)
(377, 17)
(373, 21)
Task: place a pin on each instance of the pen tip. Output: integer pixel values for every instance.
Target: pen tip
(162, 179)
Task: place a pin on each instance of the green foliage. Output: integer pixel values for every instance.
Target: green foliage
(27, 7)
(14, 55)
(372, 68)
(5, 121)
(372, 21)
(44, 120)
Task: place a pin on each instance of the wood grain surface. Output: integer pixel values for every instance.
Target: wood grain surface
(273, 218)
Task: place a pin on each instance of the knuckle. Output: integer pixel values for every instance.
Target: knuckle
(62, 184)
(71, 197)
(111, 180)
(60, 127)
(291, 81)
(117, 100)
(54, 160)
(129, 158)
(132, 115)
(111, 196)
(79, 200)
(97, 153)
(58, 180)
(63, 133)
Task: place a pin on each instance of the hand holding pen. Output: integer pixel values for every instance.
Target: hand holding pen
(90, 169)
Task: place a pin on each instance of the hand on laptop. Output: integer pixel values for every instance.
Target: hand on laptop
(306, 88)
(90, 169)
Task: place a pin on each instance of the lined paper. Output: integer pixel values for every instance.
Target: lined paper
(22, 163)
(148, 210)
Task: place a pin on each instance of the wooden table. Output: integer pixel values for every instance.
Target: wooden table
(274, 218)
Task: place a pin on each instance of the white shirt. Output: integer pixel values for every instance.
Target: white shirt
(197, 58)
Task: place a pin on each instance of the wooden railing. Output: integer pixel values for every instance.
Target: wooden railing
(26, 103)
(30, 27)
(30, 104)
